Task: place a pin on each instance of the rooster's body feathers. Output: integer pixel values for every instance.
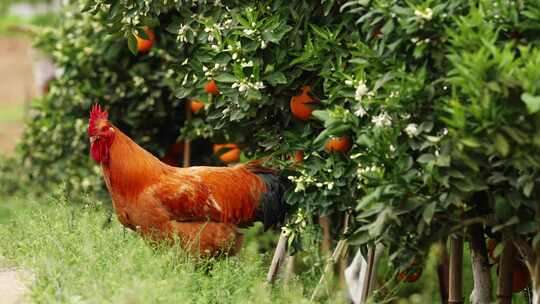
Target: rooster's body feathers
(202, 205)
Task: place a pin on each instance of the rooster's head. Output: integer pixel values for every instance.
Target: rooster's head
(101, 134)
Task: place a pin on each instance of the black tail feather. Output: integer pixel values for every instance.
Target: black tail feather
(273, 206)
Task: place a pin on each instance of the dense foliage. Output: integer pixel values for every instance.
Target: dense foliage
(441, 99)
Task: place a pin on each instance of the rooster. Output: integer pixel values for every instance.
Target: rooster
(202, 206)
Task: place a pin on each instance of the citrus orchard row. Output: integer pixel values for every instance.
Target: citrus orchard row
(418, 119)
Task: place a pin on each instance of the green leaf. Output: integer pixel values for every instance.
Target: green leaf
(470, 142)
(429, 211)
(426, 158)
(443, 161)
(321, 115)
(132, 44)
(528, 188)
(532, 102)
(501, 145)
(368, 199)
(503, 209)
(276, 78)
(276, 35)
(388, 27)
(336, 130)
(527, 227)
(226, 78)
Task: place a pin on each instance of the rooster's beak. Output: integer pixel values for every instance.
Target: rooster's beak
(93, 139)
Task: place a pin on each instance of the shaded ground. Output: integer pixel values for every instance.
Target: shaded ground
(16, 88)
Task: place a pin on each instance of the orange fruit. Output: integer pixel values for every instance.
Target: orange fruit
(298, 157)
(339, 144)
(196, 105)
(232, 154)
(410, 278)
(144, 45)
(211, 87)
(300, 104)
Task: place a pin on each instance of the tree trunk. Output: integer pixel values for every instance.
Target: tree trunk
(455, 290)
(326, 243)
(481, 293)
(504, 287)
(187, 143)
(442, 272)
(369, 274)
(532, 260)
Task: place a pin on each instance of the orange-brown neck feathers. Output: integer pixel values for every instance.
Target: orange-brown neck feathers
(131, 168)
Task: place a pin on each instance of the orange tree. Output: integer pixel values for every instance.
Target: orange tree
(440, 101)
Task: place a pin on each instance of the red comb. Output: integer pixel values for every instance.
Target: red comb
(96, 114)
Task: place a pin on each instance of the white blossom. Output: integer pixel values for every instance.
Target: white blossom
(227, 23)
(245, 64)
(427, 14)
(360, 112)
(264, 44)
(258, 85)
(249, 32)
(243, 87)
(411, 130)
(361, 91)
(182, 33)
(382, 120)
(301, 181)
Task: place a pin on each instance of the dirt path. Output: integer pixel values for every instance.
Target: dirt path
(12, 288)
(16, 88)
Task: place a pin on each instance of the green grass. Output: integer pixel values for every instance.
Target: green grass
(8, 22)
(11, 113)
(76, 256)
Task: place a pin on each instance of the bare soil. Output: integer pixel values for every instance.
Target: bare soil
(16, 88)
(12, 288)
